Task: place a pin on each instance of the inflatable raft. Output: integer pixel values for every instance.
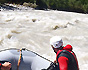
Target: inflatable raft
(28, 59)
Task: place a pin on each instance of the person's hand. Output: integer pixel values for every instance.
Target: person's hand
(55, 61)
(6, 66)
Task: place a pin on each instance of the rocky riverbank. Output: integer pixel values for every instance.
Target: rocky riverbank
(13, 7)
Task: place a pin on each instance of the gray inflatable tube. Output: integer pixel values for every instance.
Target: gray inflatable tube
(29, 60)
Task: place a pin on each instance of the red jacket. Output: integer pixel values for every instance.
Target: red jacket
(0, 66)
(63, 61)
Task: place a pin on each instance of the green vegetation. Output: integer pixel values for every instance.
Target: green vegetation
(29, 5)
(80, 6)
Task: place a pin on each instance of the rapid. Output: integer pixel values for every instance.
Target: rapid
(32, 29)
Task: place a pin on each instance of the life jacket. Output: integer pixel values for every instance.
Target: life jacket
(68, 53)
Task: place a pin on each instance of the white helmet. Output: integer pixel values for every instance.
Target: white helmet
(56, 41)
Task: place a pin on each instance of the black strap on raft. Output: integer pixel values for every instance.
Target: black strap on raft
(72, 62)
(53, 66)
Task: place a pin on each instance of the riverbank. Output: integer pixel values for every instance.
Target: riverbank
(12, 7)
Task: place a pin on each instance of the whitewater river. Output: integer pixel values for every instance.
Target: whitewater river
(32, 29)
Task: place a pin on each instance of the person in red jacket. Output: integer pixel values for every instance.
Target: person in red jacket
(5, 66)
(65, 57)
